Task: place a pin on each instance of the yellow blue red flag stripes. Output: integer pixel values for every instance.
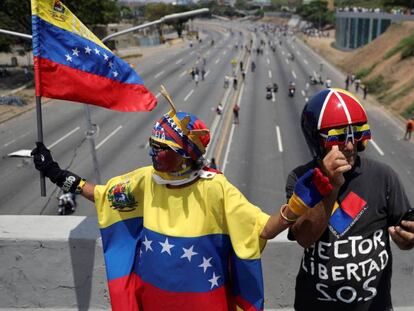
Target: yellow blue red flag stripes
(72, 63)
(161, 254)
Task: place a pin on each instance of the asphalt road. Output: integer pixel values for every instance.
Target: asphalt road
(256, 155)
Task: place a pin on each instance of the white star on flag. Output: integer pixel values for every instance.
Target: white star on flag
(75, 52)
(105, 56)
(214, 280)
(166, 247)
(68, 58)
(188, 253)
(206, 263)
(88, 50)
(96, 51)
(147, 244)
(110, 64)
(115, 74)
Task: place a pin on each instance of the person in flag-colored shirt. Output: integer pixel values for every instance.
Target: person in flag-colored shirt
(347, 260)
(178, 235)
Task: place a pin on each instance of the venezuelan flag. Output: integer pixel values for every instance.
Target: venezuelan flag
(72, 63)
(347, 213)
(171, 250)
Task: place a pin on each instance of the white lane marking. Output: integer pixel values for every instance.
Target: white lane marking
(178, 61)
(270, 74)
(208, 71)
(314, 74)
(108, 137)
(14, 140)
(305, 61)
(228, 147)
(273, 97)
(63, 137)
(268, 61)
(293, 74)
(224, 53)
(232, 132)
(9, 143)
(283, 53)
(161, 61)
(287, 62)
(159, 74)
(279, 139)
(188, 95)
(158, 95)
(216, 62)
(376, 147)
(298, 52)
(182, 74)
(303, 93)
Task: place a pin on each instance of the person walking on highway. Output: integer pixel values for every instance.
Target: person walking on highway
(236, 109)
(365, 90)
(235, 82)
(348, 266)
(409, 129)
(196, 79)
(178, 235)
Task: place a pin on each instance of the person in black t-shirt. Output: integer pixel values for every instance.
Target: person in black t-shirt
(349, 267)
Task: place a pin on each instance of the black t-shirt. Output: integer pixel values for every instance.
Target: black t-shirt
(350, 266)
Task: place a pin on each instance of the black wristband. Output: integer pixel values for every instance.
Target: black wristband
(67, 181)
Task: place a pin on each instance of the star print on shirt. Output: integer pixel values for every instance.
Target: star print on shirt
(206, 264)
(88, 50)
(105, 57)
(147, 244)
(115, 74)
(188, 253)
(166, 247)
(96, 51)
(214, 280)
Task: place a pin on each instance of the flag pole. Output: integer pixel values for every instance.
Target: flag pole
(40, 139)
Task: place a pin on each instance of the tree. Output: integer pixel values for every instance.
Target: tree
(317, 13)
(240, 4)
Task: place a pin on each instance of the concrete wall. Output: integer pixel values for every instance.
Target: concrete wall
(56, 262)
(51, 262)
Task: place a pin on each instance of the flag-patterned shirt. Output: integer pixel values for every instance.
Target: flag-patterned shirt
(190, 248)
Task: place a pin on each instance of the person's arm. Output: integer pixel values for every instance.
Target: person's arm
(311, 225)
(64, 179)
(88, 191)
(276, 224)
(309, 190)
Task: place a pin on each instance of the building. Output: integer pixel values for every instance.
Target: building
(355, 29)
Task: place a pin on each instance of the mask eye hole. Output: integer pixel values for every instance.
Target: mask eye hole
(156, 146)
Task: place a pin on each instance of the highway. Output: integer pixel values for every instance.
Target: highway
(256, 155)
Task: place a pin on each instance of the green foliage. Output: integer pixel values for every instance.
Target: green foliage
(16, 16)
(316, 12)
(389, 98)
(378, 85)
(359, 3)
(362, 73)
(395, 3)
(240, 4)
(405, 46)
(408, 112)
